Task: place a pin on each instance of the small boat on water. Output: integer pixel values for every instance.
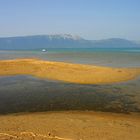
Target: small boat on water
(44, 50)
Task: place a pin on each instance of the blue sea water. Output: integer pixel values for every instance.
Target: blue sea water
(105, 57)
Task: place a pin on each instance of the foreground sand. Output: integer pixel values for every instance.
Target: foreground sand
(75, 73)
(70, 126)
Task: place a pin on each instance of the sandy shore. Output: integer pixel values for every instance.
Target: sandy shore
(74, 73)
(70, 126)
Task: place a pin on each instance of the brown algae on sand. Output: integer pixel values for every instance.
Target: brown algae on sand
(68, 72)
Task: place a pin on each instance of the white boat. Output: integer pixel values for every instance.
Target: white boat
(44, 50)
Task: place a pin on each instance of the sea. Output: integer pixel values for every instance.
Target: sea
(106, 57)
(24, 93)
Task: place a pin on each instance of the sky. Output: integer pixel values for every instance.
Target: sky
(90, 19)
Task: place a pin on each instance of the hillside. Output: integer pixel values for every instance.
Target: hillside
(62, 41)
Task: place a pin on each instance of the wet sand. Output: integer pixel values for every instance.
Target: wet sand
(70, 125)
(67, 72)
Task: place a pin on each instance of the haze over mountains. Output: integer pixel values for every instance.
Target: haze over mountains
(62, 41)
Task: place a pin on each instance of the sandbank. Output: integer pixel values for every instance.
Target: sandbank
(67, 72)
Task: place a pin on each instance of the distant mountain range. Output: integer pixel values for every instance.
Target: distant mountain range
(62, 41)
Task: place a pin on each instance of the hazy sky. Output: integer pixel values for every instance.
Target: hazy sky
(91, 19)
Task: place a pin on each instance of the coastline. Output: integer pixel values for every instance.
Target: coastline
(67, 72)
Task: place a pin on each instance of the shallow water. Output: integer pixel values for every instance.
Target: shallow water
(26, 93)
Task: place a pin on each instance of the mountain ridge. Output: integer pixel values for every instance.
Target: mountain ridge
(62, 41)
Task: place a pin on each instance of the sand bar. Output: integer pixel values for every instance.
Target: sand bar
(67, 72)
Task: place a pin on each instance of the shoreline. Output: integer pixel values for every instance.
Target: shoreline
(82, 112)
(67, 72)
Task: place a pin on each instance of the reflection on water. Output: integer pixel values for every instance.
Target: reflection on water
(24, 93)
